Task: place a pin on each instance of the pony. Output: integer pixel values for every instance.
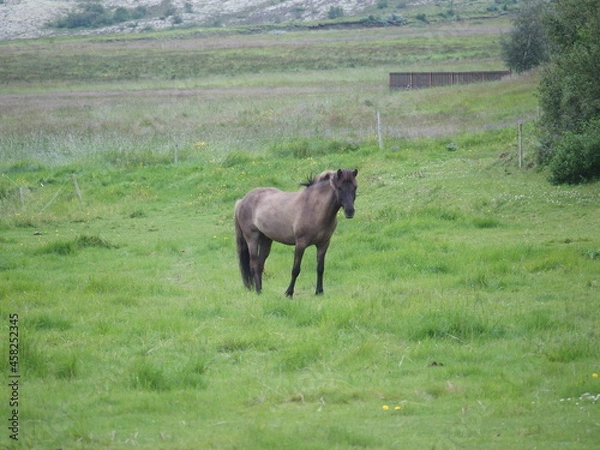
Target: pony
(303, 218)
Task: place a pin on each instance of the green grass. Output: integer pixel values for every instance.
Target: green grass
(124, 58)
(463, 295)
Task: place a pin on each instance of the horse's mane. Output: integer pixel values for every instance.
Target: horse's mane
(323, 176)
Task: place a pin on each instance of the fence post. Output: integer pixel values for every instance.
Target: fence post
(379, 135)
(77, 190)
(520, 133)
(21, 191)
(22, 198)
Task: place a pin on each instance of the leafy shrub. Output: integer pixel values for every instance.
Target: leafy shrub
(391, 20)
(139, 12)
(95, 15)
(422, 17)
(335, 12)
(569, 92)
(576, 158)
(121, 14)
(92, 15)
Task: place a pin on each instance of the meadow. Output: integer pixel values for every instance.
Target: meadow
(461, 303)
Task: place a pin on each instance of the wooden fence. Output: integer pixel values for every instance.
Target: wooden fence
(417, 80)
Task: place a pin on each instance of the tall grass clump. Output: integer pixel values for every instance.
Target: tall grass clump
(308, 148)
(70, 247)
(158, 374)
(456, 325)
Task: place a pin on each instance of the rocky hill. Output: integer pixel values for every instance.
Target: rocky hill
(25, 19)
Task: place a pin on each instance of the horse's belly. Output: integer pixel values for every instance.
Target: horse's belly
(277, 230)
(274, 217)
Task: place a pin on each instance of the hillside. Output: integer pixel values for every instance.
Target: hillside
(27, 19)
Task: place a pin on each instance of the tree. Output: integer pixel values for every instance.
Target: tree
(525, 47)
(569, 91)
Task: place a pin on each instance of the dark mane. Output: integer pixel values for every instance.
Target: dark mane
(323, 176)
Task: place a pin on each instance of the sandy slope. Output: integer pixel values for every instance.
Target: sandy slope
(26, 18)
(22, 19)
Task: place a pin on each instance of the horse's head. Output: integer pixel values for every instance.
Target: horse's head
(344, 184)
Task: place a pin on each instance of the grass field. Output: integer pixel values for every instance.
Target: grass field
(461, 303)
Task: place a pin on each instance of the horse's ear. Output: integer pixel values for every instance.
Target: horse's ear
(355, 172)
(340, 172)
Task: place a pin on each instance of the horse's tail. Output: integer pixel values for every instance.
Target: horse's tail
(243, 255)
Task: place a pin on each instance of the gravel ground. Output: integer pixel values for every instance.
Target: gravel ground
(28, 19)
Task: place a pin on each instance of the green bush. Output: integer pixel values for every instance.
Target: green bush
(569, 92)
(121, 14)
(576, 158)
(94, 15)
(335, 12)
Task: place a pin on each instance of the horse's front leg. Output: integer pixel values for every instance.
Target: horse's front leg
(321, 250)
(298, 254)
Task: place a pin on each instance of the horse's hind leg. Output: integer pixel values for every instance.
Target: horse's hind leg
(264, 248)
(252, 239)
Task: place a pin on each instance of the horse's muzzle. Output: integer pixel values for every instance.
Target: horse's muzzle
(349, 213)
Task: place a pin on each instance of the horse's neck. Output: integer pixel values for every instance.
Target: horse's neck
(330, 204)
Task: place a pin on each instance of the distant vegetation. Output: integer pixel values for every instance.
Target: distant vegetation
(335, 12)
(570, 93)
(92, 14)
(563, 37)
(95, 15)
